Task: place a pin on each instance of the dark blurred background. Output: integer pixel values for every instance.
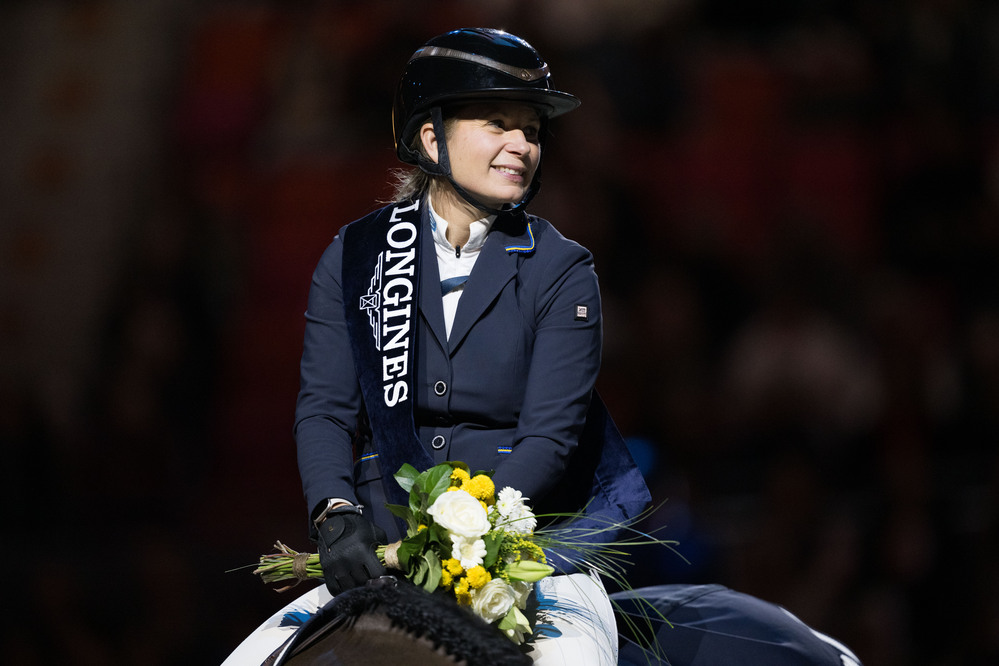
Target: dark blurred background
(793, 209)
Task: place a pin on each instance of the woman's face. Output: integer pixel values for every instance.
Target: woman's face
(494, 150)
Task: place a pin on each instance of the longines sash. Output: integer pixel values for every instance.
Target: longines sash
(381, 257)
(380, 278)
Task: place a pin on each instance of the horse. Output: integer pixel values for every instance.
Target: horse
(391, 622)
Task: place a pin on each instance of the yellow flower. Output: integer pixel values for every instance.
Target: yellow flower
(420, 527)
(521, 548)
(534, 550)
(477, 577)
(452, 566)
(480, 487)
(459, 475)
(462, 593)
(446, 578)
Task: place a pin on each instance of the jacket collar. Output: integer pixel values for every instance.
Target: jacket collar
(510, 237)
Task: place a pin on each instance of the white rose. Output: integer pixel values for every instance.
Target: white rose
(494, 600)
(460, 513)
(470, 552)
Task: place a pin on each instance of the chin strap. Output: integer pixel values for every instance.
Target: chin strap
(442, 167)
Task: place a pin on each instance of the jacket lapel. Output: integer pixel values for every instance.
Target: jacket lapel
(431, 306)
(496, 266)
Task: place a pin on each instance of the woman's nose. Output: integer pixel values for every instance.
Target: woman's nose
(517, 141)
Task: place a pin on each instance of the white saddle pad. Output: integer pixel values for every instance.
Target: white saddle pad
(575, 625)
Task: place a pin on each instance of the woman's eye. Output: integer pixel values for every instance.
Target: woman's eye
(531, 133)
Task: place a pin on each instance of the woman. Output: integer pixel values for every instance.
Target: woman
(452, 325)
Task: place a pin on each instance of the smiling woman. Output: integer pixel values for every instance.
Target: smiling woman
(451, 325)
(502, 332)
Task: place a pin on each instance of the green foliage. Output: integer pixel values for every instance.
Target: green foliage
(406, 513)
(433, 571)
(493, 542)
(406, 476)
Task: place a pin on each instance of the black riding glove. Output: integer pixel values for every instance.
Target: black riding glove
(347, 543)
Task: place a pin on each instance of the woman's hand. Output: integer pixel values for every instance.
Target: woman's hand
(347, 544)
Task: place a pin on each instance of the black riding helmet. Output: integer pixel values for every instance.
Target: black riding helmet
(465, 65)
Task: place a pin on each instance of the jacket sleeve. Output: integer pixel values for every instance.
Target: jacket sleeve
(564, 363)
(329, 398)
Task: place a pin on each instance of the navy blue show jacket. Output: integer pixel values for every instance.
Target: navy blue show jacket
(508, 391)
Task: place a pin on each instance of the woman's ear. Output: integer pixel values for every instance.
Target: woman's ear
(428, 137)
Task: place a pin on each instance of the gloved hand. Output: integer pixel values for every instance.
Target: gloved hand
(347, 543)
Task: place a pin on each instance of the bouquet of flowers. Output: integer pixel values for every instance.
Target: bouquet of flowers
(465, 537)
(461, 536)
(482, 546)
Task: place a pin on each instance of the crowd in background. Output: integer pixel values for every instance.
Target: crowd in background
(794, 213)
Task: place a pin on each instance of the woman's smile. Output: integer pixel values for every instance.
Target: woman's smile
(513, 173)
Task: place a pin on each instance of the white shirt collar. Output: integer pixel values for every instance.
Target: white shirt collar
(477, 232)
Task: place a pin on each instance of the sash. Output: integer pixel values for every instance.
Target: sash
(380, 278)
(380, 296)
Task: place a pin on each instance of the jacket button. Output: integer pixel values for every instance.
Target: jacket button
(438, 442)
(440, 388)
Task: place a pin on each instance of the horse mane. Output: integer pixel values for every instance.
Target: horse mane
(391, 622)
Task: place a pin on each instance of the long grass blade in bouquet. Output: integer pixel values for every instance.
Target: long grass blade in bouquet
(604, 547)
